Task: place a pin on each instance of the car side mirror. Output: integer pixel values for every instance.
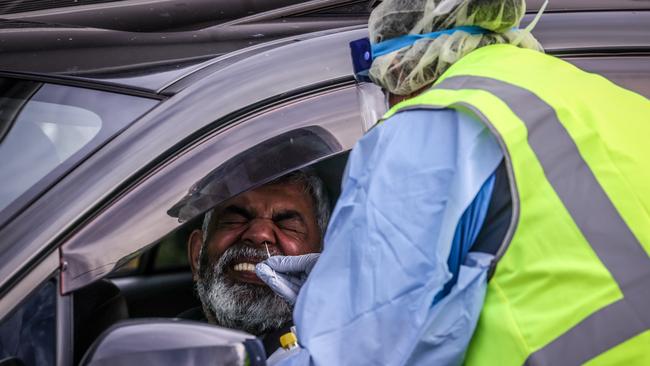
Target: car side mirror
(173, 342)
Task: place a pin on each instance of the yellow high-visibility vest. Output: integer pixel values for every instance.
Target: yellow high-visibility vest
(571, 284)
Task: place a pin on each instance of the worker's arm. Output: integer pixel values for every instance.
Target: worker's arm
(370, 297)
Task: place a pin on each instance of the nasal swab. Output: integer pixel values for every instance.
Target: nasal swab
(269, 254)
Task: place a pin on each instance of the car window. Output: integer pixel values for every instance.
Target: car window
(130, 267)
(170, 254)
(48, 128)
(247, 153)
(29, 333)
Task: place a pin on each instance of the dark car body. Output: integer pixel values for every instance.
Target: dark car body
(209, 89)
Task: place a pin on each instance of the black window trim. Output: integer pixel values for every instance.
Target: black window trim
(84, 83)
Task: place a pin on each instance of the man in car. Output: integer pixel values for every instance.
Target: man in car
(284, 219)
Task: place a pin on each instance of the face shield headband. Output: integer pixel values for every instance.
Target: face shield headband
(363, 53)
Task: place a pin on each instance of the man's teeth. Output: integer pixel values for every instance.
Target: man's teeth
(244, 267)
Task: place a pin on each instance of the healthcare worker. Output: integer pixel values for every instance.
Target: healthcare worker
(499, 215)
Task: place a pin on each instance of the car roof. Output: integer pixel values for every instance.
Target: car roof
(147, 60)
(167, 56)
(160, 15)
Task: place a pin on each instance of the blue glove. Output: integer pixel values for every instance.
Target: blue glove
(285, 275)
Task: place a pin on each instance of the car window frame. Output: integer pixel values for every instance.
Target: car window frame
(84, 234)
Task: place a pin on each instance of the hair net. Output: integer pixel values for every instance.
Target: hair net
(411, 68)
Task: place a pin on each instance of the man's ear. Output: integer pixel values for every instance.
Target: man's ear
(194, 244)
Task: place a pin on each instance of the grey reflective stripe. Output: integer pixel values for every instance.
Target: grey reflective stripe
(596, 217)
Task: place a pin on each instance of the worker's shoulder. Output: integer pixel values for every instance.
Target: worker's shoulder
(431, 118)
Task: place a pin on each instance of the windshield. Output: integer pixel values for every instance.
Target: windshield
(45, 129)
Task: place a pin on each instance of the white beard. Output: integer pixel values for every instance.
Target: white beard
(252, 308)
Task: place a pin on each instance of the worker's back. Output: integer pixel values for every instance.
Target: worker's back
(573, 275)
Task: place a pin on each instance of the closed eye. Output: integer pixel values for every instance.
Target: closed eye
(229, 223)
(233, 216)
(291, 221)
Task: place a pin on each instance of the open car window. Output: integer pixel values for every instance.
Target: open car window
(247, 153)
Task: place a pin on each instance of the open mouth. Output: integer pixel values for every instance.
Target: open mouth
(243, 270)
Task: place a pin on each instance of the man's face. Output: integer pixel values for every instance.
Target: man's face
(280, 217)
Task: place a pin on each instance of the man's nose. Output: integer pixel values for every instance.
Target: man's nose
(259, 231)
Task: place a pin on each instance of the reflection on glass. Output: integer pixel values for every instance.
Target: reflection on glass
(255, 166)
(45, 129)
(43, 136)
(29, 333)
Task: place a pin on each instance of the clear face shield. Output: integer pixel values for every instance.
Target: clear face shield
(417, 41)
(372, 101)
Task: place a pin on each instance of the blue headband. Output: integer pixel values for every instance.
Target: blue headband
(394, 44)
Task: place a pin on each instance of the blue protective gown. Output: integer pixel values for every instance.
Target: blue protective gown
(415, 193)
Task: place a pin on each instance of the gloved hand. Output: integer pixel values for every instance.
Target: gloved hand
(285, 275)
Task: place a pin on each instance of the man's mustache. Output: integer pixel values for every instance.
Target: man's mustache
(239, 252)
